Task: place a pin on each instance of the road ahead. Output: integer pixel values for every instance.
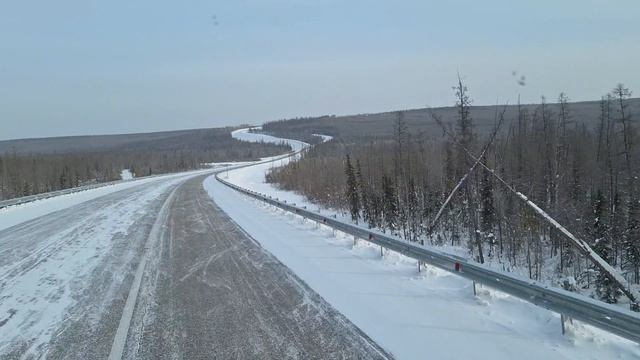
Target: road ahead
(158, 271)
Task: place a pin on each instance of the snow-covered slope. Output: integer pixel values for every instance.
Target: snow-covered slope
(414, 315)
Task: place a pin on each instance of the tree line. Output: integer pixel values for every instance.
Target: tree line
(586, 177)
(29, 174)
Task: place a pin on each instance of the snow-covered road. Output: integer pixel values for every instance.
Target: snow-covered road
(155, 271)
(70, 263)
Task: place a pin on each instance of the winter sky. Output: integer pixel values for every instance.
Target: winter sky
(74, 67)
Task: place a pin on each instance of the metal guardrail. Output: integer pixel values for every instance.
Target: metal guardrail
(593, 312)
(50, 194)
(47, 195)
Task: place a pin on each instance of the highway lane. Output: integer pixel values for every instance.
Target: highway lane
(196, 286)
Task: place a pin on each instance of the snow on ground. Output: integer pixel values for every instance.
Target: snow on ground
(126, 174)
(324, 138)
(253, 177)
(246, 135)
(17, 214)
(413, 315)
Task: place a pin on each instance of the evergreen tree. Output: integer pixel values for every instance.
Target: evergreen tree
(389, 203)
(352, 191)
(606, 290)
(631, 244)
(488, 211)
(376, 211)
(365, 203)
(413, 213)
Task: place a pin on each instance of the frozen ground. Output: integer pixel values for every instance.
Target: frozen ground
(413, 315)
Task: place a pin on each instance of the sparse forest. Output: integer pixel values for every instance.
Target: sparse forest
(584, 174)
(23, 174)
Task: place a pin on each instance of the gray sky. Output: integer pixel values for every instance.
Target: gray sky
(73, 67)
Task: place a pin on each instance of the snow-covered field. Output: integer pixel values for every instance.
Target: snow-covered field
(432, 314)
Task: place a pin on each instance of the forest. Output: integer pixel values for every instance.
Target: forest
(581, 168)
(24, 173)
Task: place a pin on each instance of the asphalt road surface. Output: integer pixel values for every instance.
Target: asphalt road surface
(158, 271)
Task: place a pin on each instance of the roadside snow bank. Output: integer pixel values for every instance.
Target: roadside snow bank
(413, 315)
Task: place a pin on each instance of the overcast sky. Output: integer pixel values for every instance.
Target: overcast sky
(71, 67)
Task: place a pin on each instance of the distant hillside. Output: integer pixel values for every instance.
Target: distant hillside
(418, 120)
(166, 140)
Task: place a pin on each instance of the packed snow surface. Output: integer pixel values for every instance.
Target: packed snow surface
(432, 314)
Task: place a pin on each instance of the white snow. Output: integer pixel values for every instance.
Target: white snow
(413, 315)
(245, 135)
(126, 174)
(324, 138)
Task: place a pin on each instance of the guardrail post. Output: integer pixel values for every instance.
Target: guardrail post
(562, 323)
(475, 292)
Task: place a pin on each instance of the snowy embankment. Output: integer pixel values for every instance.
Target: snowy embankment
(432, 314)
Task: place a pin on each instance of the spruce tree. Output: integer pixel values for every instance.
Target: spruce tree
(389, 203)
(412, 210)
(364, 194)
(606, 290)
(488, 214)
(631, 244)
(352, 191)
